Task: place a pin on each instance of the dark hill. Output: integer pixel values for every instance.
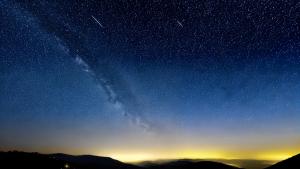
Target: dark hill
(94, 162)
(20, 160)
(290, 163)
(187, 164)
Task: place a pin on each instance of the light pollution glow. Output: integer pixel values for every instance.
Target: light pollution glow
(194, 154)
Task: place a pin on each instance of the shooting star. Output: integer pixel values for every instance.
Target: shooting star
(97, 21)
(179, 23)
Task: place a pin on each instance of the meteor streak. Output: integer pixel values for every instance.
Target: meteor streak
(179, 23)
(97, 21)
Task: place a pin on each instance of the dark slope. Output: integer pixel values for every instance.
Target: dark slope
(93, 162)
(186, 164)
(18, 160)
(290, 163)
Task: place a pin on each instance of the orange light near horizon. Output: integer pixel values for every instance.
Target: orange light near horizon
(134, 155)
(188, 154)
(275, 156)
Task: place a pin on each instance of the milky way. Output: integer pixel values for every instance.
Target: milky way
(72, 40)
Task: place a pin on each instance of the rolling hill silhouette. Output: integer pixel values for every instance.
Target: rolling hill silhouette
(93, 162)
(188, 164)
(20, 160)
(290, 163)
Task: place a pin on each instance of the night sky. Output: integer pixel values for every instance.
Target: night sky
(143, 80)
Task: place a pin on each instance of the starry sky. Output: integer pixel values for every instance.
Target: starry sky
(142, 80)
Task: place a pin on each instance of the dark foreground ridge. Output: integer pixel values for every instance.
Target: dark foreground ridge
(290, 163)
(20, 160)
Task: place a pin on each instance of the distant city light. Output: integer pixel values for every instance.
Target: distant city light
(67, 165)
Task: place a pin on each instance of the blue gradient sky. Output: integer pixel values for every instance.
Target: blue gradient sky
(224, 83)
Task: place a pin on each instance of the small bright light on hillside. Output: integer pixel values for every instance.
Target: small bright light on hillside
(67, 165)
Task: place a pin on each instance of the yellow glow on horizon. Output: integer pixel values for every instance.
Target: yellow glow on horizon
(138, 157)
(194, 154)
(276, 156)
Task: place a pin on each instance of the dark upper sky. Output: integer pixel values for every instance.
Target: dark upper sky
(163, 79)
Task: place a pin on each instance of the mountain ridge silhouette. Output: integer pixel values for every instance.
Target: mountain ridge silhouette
(290, 163)
(17, 160)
